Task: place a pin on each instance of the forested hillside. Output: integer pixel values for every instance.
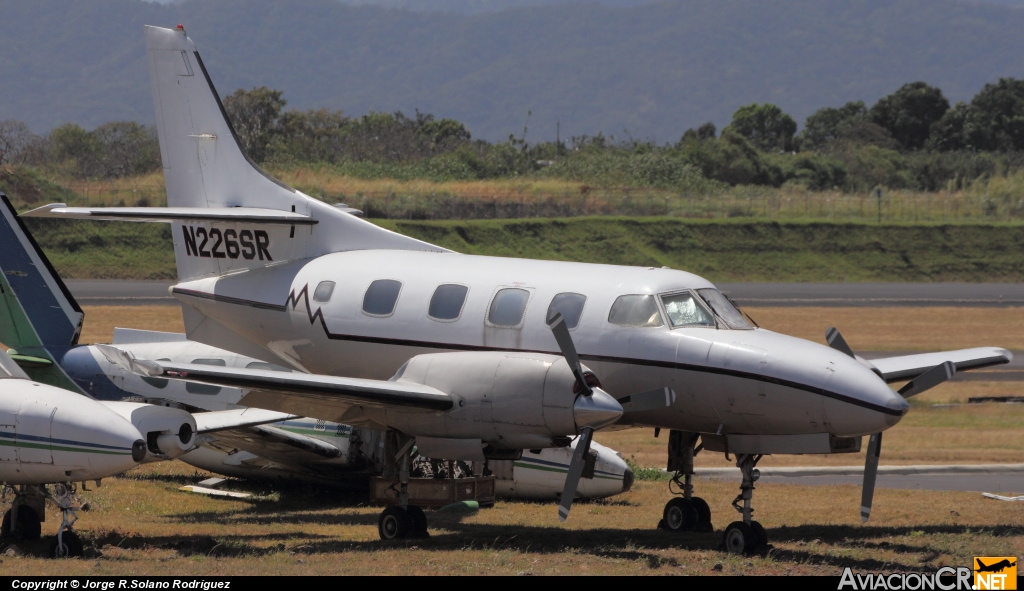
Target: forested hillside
(647, 72)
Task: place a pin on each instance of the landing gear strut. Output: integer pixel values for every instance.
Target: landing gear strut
(23, 520)
(747, 536)
(400, 521)
(685, 512)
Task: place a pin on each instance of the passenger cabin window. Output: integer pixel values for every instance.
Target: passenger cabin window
(684, 310)
(447, 301)
(507, 307)
(204, 388)
(323, 292)
(157, 382)
(635, 310)
(570, 305)
(381, 297)
(724, 308)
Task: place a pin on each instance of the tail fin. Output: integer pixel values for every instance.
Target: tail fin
(205, 167)
(39, 318)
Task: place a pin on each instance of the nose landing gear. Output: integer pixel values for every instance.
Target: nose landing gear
(746, 536)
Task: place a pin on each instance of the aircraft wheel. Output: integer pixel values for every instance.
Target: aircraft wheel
(703, 515)
(740, 538)
(394, 524)
(679, 515)
(70, 548)
(419, 522)
(28, 526)
(759, 534)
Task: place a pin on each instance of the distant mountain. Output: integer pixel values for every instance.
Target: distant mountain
(644, 70)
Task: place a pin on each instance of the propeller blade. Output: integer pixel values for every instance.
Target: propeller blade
(650, 400)
(572, 478)
(870, 472)
(837, 342)
(929, 379)
(565, 344)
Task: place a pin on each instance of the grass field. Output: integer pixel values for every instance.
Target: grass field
(141, 524)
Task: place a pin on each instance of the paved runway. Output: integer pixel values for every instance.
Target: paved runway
(1004, 479)
(119, 293)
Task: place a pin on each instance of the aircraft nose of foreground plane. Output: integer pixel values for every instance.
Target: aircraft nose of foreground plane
(863, 403)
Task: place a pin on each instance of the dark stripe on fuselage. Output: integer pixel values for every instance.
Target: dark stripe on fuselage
(53, 441)
(313, 316)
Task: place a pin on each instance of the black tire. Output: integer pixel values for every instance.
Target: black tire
(760, 535)
(29, 528)
(70, 548)
(679, 515)
(419, 522)
(703, 515)
(739, 538)
(394, 524)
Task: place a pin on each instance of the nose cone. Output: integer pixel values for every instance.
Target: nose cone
(863, 403)
(598, 410)
(627, 480)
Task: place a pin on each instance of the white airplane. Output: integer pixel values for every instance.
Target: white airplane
(49, 436)
(485, 347)
(300, 448)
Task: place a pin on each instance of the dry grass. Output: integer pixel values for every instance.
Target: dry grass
(142, 525)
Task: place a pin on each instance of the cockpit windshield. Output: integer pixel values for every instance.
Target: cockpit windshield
(9, 369)
(724, 309)
(683, 309)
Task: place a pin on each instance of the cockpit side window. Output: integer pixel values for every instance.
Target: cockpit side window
(724, 308)
(195, 388)
(381, 297)
(570, 305)
(507, 307)
(683, 309)
(447, 301)
(635, 310)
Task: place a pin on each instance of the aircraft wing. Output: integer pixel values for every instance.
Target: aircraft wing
(209, 422)
(277, 444)
(311, 395)
(907, 367)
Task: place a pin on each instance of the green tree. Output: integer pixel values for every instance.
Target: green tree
(127, 148)
(253, 115)
(15, 139)
(765, 126)
(909, 113)
(827, 125)
(1000, 112)
(73, 147)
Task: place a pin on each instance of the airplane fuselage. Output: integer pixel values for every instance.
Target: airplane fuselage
(385, 307)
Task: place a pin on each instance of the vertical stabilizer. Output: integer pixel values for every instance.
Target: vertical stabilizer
(205, 167)
(39, 318)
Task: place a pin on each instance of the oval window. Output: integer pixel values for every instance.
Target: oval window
(570, 305)
(323, 292)
(507, 307)
(635, 310)
(447, 301)
(381, 297)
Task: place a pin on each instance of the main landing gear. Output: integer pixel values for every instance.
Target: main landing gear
(401, 521)
(686, 512)
(22, 522)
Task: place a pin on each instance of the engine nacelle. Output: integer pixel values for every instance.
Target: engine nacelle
(504, 400)
(169, 432)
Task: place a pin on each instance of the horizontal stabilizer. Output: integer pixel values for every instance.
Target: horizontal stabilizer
(908, 367)
(251, 215)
